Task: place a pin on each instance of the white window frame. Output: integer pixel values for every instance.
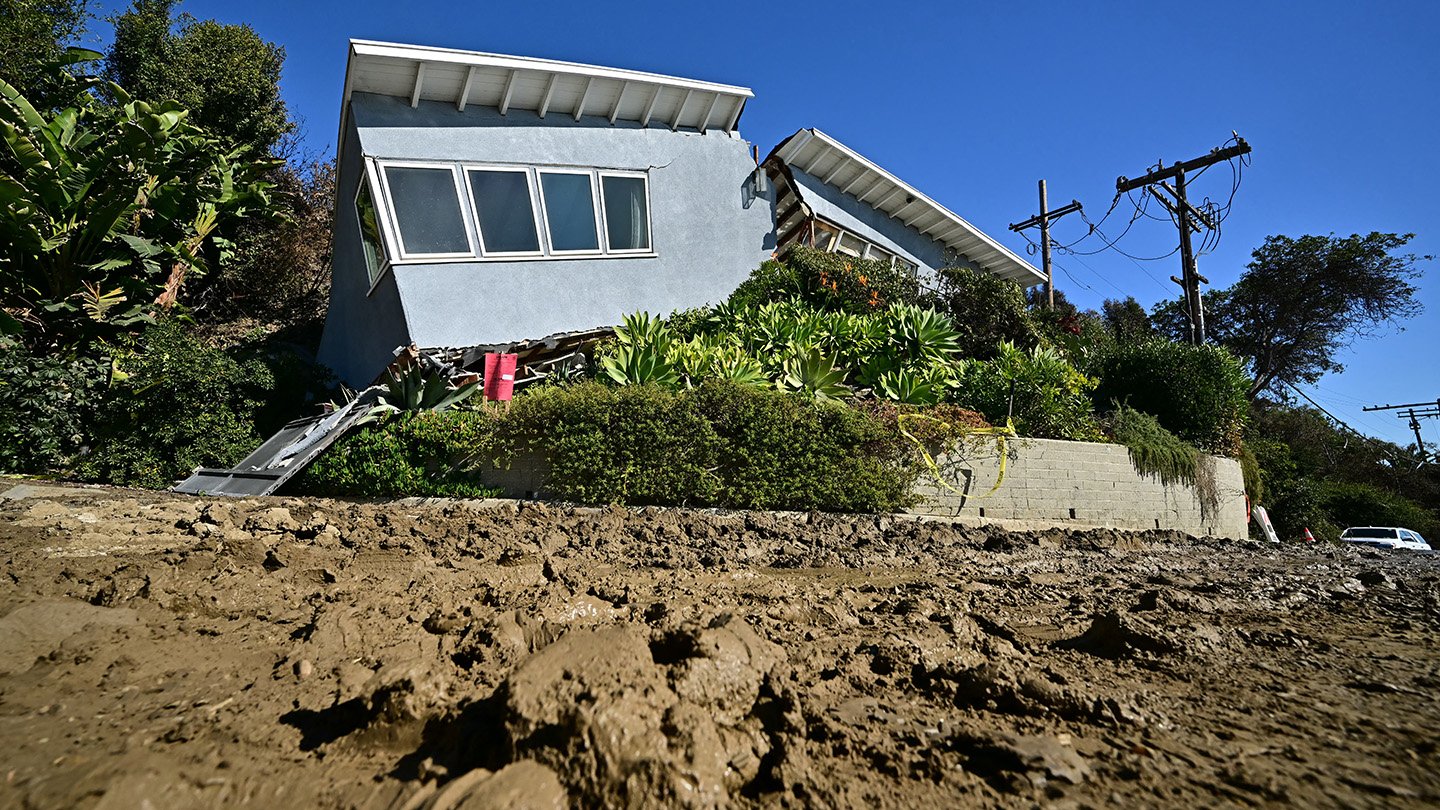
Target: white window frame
(368, 179)
(599, 249)
(896, 259)
(600, 175)
(393, 215)
(531, 187)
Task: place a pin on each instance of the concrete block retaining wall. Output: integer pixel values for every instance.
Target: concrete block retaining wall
(1046, 482)
(1080, 483)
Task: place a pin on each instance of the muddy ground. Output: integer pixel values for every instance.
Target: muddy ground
(166, 651)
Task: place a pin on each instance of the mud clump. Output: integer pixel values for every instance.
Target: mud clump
(433, 655)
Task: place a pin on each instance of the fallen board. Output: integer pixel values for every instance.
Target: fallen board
(282, 455)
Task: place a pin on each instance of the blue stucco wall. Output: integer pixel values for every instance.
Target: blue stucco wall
(709, 231)
(362, 328)
(875, 225)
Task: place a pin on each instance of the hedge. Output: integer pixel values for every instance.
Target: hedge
(720, 444)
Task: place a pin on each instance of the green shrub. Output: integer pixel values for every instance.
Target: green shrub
(186, 405)
(1044, 396)
(835, 281)
(47, 408)
(985, 310)
(721, 444)
(1197, 392)
(422, 453)
(771, 281)
(634, 444)
(781, 451)
(1153, 449)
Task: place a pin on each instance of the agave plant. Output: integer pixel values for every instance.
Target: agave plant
(910, 388)
(419, 389)
(923, 333)
(640, 365)
(815, 374)
(643, 329)
(735, 365)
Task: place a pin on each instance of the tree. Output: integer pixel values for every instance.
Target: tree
(1300, 301)
(1127, 320)
(105, 210)
(33, 38)
(226, 75)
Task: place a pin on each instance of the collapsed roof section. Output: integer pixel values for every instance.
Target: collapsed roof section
(544, 86)
(810, 160)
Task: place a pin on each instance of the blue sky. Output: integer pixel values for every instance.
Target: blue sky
(973, 103)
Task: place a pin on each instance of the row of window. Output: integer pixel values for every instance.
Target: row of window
(829, 238)
(517, 212)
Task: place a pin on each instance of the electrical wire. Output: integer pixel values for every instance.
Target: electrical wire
(1408, 460)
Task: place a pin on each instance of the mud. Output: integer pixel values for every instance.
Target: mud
(164, 651)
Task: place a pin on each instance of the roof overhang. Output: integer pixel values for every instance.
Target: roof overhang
(837, 165)
(545, 86)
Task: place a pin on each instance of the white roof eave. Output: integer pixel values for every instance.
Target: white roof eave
(625, 93)
(895, 196)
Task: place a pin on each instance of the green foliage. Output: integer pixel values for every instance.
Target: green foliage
(278, 267)
(106, 210)
(779, 451)
(636, 444)
(1301, 301)
(1153, 449)
(47, 407)
(1043, 395)
(183, 405)
(420, 454)
(1347, 503)
(843, 283)
(985, 311)
(814, 374)
(1127, 321)
(1197, 392)
(771, 281)
(33, 39)
(720, 444)
(227, 75)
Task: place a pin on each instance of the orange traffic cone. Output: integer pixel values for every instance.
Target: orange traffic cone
(1309, 538)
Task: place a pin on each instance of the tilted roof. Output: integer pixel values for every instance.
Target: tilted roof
(837, 165)
(545, 86)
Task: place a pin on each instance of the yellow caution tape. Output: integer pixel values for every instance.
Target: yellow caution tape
(1000, 434)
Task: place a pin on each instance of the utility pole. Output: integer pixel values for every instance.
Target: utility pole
(1043, 219)
(1426, 410)
(1187, 217)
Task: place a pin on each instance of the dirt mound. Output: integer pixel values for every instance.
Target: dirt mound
(285, 652)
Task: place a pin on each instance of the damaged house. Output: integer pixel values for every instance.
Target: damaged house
(484, 199)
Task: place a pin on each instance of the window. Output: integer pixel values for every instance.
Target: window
(830, 238)
(627, 212)
(426, 207)
(822, 235)
(420, 211)
(370, 243)
(504, 211)
(569, 200)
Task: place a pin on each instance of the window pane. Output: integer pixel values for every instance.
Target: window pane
(369, 231)
(823, 236)
(850, 245)
(427, 210)
(502, 205)
(627, 220)
(569, 211)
